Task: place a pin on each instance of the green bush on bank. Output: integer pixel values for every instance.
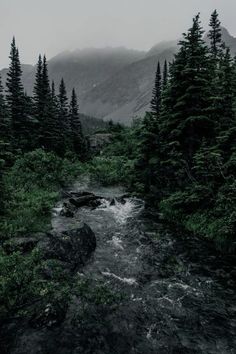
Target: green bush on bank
(32, 185)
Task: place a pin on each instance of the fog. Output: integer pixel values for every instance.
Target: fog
(52, 26)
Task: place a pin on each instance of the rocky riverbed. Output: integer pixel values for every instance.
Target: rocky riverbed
(145, 288)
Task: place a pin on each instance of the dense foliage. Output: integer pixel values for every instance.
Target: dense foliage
(187, 158)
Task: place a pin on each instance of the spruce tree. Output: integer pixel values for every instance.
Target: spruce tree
(184, 120)
(45, 109)
(38, 96)
(191, 97)
(165, 76)
(226, 91)
(15, 99)
(63, 116)
(156, 93)
(78, 141)
(215, 36)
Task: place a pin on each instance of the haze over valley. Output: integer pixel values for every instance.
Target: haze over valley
(112, 83)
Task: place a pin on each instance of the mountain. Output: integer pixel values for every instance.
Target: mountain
(126, 94)
(82, 69)
(112, 83)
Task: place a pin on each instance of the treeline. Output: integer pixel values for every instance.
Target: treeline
(47, 120)
(187, 155)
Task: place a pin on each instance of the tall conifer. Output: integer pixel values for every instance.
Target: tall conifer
(78, 141)
(165, 76)
(215, 36)
(156, 93)
(63, 116)
(15, 98)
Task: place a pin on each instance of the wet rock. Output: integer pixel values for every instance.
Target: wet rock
(81, 194)
(73, 246)
(118, 200)
(113, 202)
(95, 203)
(83, 200)
(68, 210)
(121, 199)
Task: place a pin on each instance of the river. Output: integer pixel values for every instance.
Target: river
(179, 293)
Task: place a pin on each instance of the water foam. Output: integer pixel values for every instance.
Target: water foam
(129, 281)
(122, 211)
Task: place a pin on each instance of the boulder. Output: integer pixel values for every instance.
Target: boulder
(83, 200)
(120, 199)
(73, 247)
(81, 194)
(68, 210)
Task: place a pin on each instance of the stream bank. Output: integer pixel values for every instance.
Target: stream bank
(145, 289)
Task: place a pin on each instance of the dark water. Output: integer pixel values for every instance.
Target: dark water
(179, 293)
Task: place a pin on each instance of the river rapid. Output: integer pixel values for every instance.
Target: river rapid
(179, 293)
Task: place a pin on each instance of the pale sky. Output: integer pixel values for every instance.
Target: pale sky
(52, 26)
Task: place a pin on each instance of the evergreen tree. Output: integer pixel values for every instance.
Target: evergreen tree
(189, 94)
(78, 141)
(38, 87)
(63, 115)
(165, 76)
(156, 93)
(226, 92)
(215, 36)
(15, 99)
(46, 109)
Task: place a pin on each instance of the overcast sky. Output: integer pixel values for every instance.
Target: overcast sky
(51, 26)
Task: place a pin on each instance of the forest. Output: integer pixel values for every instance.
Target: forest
(180, 158)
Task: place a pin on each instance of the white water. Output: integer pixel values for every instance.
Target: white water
(122, 212)
(130, 281)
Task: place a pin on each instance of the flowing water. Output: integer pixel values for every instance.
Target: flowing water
(179, 293)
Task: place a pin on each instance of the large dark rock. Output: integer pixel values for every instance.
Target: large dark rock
(68, 210)
(73, 247)
(85, 200)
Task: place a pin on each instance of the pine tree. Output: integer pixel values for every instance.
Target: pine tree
(78, 141)
(165, 76)
(191, 96)
(215, 36)
(46, 112)
(184, 120)
(38, 86)
(190, 171)
(226, 91)
(63, 115)
(156, 93)
(15, 99)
